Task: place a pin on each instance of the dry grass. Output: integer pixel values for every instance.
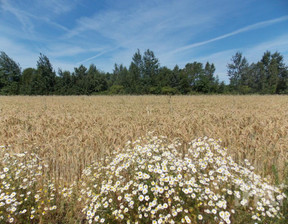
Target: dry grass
(71, 131)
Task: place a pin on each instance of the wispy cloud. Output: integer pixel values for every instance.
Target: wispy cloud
(58, 6)
(252, 54)
(238, 31)
(279, 44)
(144, 26)
(68, 50)
(18, 52)
(74, 32)
(28, 19)
(22, 16)
(140, 23)
(95, 56)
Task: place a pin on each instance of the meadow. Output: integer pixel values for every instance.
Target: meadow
(69, 133)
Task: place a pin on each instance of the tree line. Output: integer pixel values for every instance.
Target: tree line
(146, 76)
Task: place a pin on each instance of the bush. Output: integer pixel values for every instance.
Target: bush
(167, 90)
(150, 181)
(154, 90)
(116, 89)
(25, 196)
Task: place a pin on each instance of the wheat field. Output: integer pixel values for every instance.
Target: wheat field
(69, 132)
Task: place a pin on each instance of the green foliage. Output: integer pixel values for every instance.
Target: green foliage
(268, 76)
(10, 73)
(150, 68)
(116, 89)
(27, 77)
(146, 76)
(167, 90)
(237, 71)
(46, 76)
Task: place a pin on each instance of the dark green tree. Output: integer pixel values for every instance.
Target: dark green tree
(135, 74)
(64, 83)
(184, 86)
(96, 79)
(192, 72)
(46, 76)
(26, 81)
(80, 86)
(137, 61)
(165, 77)
(150, 71)
(237, 72)
(80, 72)
(275, 73)
(10, 73)
(120, 74)
(145, 76)
(175, 78)
(206, 82)
(120, 80)
(256, 81)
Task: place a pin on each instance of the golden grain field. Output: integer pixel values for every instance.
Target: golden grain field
(69, 132)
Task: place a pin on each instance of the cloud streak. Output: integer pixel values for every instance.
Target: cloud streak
(252, 54)
(140, 27)
(22, 16)
(28, 19)
(242, 30)
(108, 32)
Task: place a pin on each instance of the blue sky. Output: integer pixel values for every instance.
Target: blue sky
(104, 32)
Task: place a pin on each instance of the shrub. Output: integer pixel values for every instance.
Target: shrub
(167, 90)
(116, 89)
(25, 196)
(150, 181)
(154, 90)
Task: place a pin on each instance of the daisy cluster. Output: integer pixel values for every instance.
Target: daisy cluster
(151, 182)
(236, 187)
(24, 196)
